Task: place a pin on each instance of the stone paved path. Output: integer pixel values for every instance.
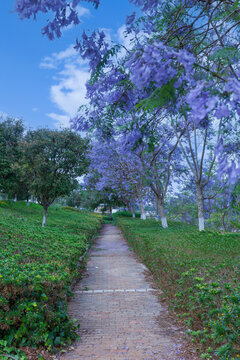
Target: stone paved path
(120, 316)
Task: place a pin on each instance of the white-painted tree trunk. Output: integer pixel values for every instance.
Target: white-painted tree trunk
(28, 202)
(164, 222)
(15, 198)
(133, 211)
(44, 217)
(143, 215)
(200, 200)
(163, 218)
(162, 213)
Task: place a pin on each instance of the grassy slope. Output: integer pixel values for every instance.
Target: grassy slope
(199, 273)
(37, 266)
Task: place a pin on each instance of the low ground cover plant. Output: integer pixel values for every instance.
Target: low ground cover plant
(37, 268)
(199, 273)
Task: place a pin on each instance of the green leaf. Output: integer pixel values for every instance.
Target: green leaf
(228, 53)
(159, 97)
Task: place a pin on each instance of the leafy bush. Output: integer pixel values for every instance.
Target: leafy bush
(3, 204)
(125, 214)
(37, 267)
(199, 273)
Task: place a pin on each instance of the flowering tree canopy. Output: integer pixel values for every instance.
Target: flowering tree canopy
(64, 13)
(179, 75)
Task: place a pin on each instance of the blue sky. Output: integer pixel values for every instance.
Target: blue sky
(42, 81)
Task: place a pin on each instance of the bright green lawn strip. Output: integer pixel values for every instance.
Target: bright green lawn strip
(37, 267)
(199, 273)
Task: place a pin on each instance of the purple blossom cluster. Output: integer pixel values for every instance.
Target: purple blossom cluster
(64, 13)
(156, 63)
(93, 48)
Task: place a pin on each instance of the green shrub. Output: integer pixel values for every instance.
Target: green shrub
(37, 267)
(199, 272)
(125, 214)
(3, 204)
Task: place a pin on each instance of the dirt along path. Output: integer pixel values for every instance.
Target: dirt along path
(118, 309)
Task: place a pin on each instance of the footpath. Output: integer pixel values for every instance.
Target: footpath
(118, 308)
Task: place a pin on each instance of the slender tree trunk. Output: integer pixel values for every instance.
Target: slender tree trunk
(200, 201)
(133, 212)
(157, 211)
(110, 212)
(15, 198)
(162, 213)
(143, 215)
(44, 216)
(223, 220)
(28, 202)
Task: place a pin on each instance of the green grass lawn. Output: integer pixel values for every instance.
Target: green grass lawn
(37, 267)
(200, 275)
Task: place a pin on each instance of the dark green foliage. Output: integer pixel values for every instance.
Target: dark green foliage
(37, 267)
(11, 132)
(53, 160)
(125, 214)
(199, 273)
(159, 97)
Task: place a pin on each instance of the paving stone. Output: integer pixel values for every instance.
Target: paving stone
(120, 315)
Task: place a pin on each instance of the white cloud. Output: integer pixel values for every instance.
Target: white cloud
(124, 39)
(69, 91)
(53, 61)
(71, 73)
(35, 109)
(82, 11)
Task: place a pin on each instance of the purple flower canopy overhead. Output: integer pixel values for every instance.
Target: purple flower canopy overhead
(64, 13)
(182, 62)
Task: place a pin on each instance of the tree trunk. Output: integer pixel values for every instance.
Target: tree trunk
(15, 198)
(223, 220)
(45, 209)
(133, 212)
(110, 212)
(157, 213)
(200, 201)
(162, 213)
(28, 202)
(143, 215)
